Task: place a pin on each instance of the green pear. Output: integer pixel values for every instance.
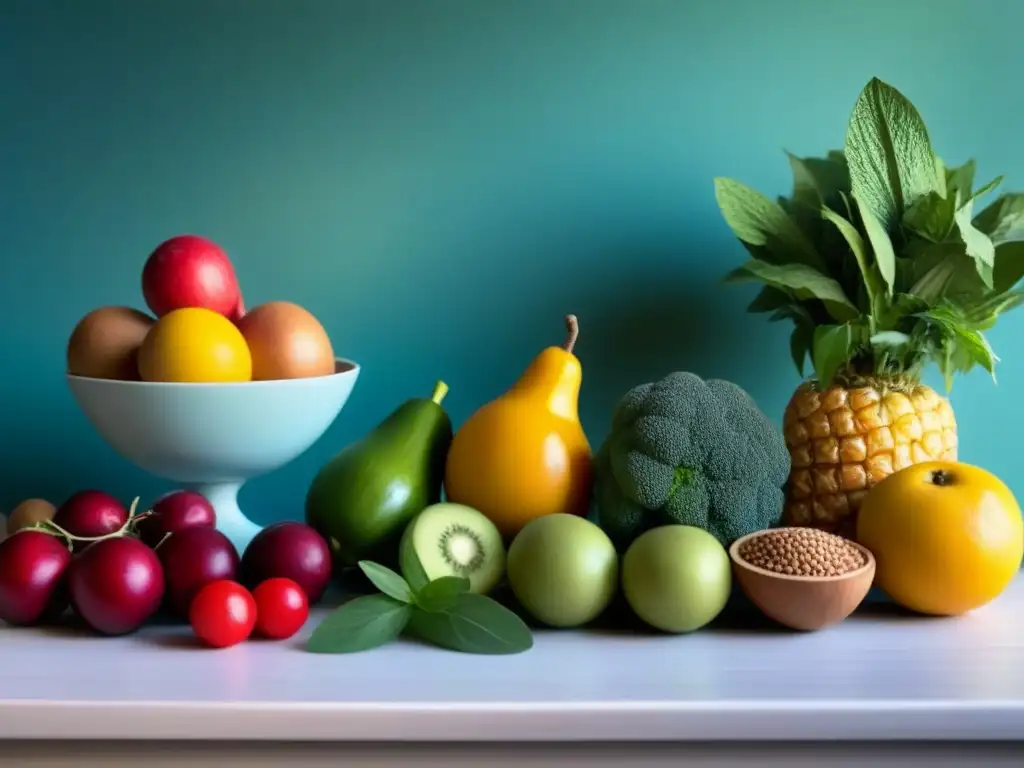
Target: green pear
(363, 498)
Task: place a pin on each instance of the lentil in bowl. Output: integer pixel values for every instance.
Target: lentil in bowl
(803, 578)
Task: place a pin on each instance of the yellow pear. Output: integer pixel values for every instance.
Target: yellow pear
(524, 454)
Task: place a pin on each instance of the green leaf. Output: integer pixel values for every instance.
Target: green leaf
(960, 178)
(474, 624)
(903, 305)
(758, 221)
(1009, 265)
(931, 216)
(1003, 219)
(441, 594)
(984, 315)
(973, 347)
(361, 624)
(933, 269)
(890, 339)
(800, 342)
(940, 176)
(795, 312)
(816, 180)
(798, 313)
(889, 153)
(945, 271)
(805, 282)
(387, 581)
(979, 350)
(860, 254)
(769, 299)
(881, 245)
(979, 245)
(832, 347)
(984, 190)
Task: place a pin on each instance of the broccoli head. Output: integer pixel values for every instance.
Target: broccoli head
(693, 452)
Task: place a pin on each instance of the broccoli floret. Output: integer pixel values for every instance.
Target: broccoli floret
(693, 452)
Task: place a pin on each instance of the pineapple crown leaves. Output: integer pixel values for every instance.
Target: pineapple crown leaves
(878, 256)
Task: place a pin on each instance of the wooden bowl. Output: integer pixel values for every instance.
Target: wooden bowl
(802, 602)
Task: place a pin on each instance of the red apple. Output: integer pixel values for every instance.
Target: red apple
(190, 271)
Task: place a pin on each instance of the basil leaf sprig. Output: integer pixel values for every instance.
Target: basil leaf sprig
(443, 612)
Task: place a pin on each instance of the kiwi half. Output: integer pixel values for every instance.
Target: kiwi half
(449, 539)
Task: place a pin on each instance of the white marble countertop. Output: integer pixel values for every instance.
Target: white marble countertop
(880, 675)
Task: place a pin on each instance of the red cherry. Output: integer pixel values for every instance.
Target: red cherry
(90, 514)
(33, 568)
(223, 613)
(116, 585)
(173, 512)
(281, 608)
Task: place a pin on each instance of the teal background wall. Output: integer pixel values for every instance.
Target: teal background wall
(441, 181)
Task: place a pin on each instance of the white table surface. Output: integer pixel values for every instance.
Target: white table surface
(879, 675)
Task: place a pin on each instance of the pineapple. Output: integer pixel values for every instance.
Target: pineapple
(882, 266)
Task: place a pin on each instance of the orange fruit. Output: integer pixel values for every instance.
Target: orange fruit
(947, 536)
(194, 345)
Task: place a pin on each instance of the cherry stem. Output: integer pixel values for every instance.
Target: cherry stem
(572, 327)
(133, 518)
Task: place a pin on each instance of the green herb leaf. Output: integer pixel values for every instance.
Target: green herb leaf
(931, 216)
(440, 594)
(816, 180)
(1003, 219)
(940, 176)
(890, 339)
(980, 351)
(800, 342)
(984, 189)
(795, 312)
(474, 624)
(387, 581)
(973, 347)
(979, 245)
(758, 221)
(889, 153)
(860, 253)
(361, 624)
(903, 305)
(945, 271)
(984, 315)
(1009, 266)
(412, 571)
(931, 285)
(831, 350)
(960, 178)
(769, 299)
(881, 245)
(804, 281)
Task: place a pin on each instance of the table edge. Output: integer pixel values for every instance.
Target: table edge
(628, 721)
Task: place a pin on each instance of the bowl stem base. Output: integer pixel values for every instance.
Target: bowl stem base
(231, 521)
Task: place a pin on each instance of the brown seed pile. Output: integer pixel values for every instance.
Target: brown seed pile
(802, 552)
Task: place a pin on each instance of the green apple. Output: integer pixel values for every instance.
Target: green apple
(563, 569)
(677, 578)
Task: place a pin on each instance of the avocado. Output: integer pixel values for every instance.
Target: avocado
(362, 499)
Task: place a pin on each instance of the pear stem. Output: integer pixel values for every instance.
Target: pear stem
(572, 325)
(440, 390)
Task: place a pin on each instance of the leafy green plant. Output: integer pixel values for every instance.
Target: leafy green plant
(442, 612)
(877, 256)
